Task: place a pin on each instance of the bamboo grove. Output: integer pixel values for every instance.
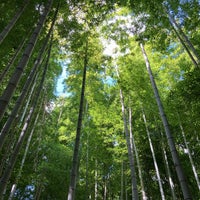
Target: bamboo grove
(126, 123)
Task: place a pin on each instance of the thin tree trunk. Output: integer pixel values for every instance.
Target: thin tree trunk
(144, 196)
(171, 184)
(6, 176)
(186, 39)
(11, 139)
(105, 190)
(154, 157)
(87, 169)
(25, 108)
(175, 157)
(5, 132)
(7, 29)
(183, 35)
(4, 73)
(74, 170)
(14, 186)
(129, 147)
(130, 152)
(122, 181)
(189, 154)
(96, 181)
(125, 185)
(9, 145)
(14, 80)
(184, 45)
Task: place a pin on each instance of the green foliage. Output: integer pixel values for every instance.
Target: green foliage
(54, 170)
(103, 147)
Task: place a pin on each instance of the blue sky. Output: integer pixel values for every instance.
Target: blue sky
(60, 89)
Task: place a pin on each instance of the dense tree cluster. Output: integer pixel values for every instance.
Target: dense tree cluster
(127, 126)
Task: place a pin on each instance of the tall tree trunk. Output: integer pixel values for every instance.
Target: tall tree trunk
(14, 186)
(74, 170)
(189, 154)
(87, 170)
(154, 157)
(122, 181)
(25, 108)
(5, 132)
(11, 139)
(4, 73)
(96, 181)
(182, 35)
(105, 190)
(7, 29)
(130, 150)
(175, 157)
(125, 185)
(129, 147)
(171, 184)
(27, 85)
(14, 80)
(6, 176)
(144, 196)
(185, 47)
